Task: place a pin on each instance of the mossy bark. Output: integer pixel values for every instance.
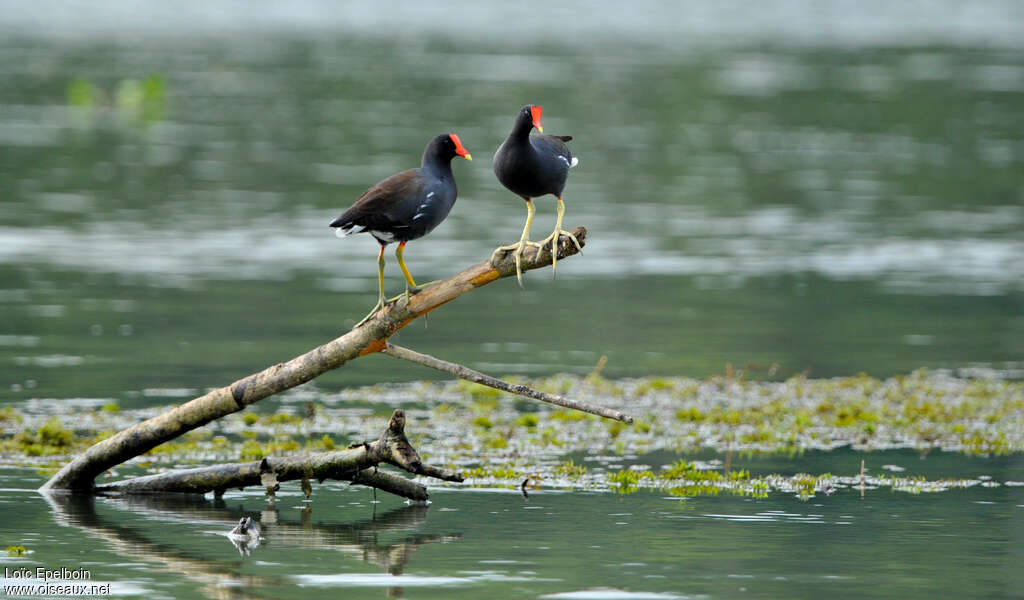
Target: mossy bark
(369, 337)
(351, 464)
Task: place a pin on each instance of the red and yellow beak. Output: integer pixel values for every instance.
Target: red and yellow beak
(460, 150)
(535, 114)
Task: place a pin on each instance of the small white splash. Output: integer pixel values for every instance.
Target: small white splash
(575, 161)
(894, 468)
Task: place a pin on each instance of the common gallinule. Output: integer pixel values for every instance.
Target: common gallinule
(532, 166)
(406, 206)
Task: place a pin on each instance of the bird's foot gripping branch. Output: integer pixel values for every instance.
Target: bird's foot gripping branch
(357, 463)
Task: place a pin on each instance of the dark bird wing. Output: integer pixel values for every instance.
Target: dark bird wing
(380, 208)
(553, 146)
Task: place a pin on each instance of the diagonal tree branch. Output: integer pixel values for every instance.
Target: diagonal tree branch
(478, 377)
(370, 337)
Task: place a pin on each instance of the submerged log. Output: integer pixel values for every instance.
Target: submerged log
(351, 464)
(367, 338)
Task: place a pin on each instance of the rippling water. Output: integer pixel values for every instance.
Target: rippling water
(847, 206)
(495, 544)
(781, 187)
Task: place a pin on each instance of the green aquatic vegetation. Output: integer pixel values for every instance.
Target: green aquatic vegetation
(805, 484)
(624, 482)
(528, 420)
(496, 442)
(9, 415)
(505, 473)
(111, 407)
(694, 491)
(848, 416)
(49, 439)
(606, 387)
(549, 436)
(654, 385)
(281, 445)
(691, 414)
(251, 450)
(566, 415)
(761, 434)
(570, 469)
(187, 444)
(53, 434)
(739, 475)
(674, 415)
(17, 550)
(476, 390)
(281, 418)
(496, 473)
(688, 471)
(557, 384)
(326, 442)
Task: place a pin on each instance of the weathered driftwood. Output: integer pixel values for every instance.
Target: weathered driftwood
(477, 377)
(369, 337)
(351, 464)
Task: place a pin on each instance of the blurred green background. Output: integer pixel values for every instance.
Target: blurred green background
(826, 191)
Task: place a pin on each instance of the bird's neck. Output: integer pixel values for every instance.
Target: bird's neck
(521, 131)
(437, 166)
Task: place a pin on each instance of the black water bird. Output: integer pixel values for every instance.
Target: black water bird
(531, 166)
(406, 206)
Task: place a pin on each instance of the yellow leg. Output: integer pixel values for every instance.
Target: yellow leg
(558, 232)
(380, 283)
(380, 277)
(409, 283)
(519, 247)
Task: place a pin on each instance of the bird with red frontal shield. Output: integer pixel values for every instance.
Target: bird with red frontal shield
(531, 166)
(406, 206)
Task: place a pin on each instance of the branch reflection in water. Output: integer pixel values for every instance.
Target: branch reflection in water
(221, 577)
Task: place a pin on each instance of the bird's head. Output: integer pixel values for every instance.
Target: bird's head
(446, 147)
(531, 114)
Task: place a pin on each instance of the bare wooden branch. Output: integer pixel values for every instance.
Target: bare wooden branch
(370, 337)
(351, 464)
(498, 384)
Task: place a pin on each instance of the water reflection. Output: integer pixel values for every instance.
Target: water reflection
(222, 578)
(218, 578)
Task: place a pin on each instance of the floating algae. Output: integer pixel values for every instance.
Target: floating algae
(499, 440)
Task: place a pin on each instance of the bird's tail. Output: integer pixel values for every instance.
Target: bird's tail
(343, 227)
